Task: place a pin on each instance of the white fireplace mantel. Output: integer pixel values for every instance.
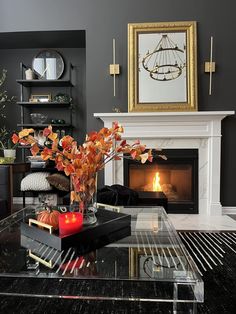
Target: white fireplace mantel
(198, 129)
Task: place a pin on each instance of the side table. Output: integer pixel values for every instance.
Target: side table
(16, 167)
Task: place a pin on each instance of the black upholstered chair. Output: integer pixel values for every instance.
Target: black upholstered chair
(4, 191)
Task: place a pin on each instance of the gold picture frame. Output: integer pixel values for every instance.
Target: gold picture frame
(43, 98)
(162, 66)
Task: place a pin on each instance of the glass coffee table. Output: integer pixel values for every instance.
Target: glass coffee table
(150, 265)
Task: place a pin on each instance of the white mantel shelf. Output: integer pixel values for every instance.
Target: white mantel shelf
(176, 130)
(190, 124)
(165, 114)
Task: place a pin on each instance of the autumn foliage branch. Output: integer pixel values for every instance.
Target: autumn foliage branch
(83, 161)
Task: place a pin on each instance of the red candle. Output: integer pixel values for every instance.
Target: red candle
(70, 223)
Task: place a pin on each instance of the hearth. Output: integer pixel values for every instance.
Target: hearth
(176, 177)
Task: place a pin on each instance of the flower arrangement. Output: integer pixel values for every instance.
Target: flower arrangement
(6, 140)
(82, 162)
(4, 98)
(5, 135)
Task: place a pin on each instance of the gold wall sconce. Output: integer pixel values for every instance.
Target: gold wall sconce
(210, 67)
(114, 68)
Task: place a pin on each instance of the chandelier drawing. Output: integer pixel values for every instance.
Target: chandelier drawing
(166, 62)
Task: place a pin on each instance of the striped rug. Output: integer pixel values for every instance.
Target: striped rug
(214, 254)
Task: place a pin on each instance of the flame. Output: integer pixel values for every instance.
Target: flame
(156, 183)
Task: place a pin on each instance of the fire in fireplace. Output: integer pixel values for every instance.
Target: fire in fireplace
(176, 177)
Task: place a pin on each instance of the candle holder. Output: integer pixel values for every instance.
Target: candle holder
(114, 68)
(70, 223)
(210, 67)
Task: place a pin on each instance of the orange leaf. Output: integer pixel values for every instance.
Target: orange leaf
(25, 132)
(115, 125)
(123, 143)
(133, 154)
(15, 138)
(92, 136)
(52, 136)
(31, 140)
(55, 144)
(46, 154)
(34, 150)
(47, 131)
(69, 169)
(66, 141)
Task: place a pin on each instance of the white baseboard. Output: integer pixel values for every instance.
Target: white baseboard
(228, 210)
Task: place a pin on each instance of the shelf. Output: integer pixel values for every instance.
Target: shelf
(43, 104)
(45, 83)
(38, 126)
(24, 146)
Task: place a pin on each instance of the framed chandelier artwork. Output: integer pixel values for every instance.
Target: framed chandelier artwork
(162, 73)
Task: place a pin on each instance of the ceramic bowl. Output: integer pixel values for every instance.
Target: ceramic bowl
(38, 118)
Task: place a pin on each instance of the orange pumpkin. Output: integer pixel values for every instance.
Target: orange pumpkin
(49, 217)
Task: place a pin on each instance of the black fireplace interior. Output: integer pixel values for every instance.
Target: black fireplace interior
(175, 179)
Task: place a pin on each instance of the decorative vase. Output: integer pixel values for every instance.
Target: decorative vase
(9, 153)
(83, 197)
(29, 74)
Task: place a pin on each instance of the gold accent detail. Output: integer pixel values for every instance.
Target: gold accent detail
(210, 67)
(40, 224)
(40, 260)
(133, 262)
(114, 208)
(114, 69)
(191, 52)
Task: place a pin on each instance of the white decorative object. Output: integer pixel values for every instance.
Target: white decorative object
(36, 182)
(200, 130)
(9, 153)
(29, 74)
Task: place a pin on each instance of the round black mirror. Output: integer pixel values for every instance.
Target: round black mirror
(48, 65)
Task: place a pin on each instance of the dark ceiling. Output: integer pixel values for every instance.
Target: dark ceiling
(43, 39)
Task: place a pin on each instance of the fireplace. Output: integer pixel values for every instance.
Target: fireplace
(176, 177)
(199, 130)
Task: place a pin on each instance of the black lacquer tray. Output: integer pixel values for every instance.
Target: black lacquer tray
(110, 227)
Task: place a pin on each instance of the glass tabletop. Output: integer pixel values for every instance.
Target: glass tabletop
(151, 264)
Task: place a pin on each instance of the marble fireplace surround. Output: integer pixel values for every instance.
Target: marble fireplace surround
(200, 130)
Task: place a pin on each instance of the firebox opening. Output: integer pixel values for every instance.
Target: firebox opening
(176, 177)
(175, 181)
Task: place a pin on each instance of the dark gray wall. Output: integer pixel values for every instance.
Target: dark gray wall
(106, 19)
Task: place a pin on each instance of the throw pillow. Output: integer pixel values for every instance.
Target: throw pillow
(36, 182)
(59, 181)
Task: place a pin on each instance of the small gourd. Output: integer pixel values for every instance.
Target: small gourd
(50, 217)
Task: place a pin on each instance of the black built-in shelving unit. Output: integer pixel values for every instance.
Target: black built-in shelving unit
(27, 105)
